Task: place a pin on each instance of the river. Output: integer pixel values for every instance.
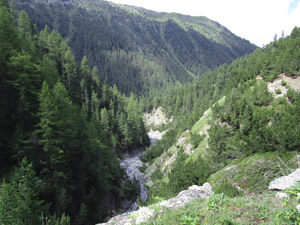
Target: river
(131, 163)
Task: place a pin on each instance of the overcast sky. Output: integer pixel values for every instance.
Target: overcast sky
(255, 20)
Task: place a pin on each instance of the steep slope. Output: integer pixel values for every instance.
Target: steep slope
(256, 122)
(138, 50)
(60, 132)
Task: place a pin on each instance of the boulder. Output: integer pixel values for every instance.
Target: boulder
(285, 182)
(145, 213)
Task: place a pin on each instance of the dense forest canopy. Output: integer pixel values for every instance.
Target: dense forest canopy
(137, 50)
(59, 127)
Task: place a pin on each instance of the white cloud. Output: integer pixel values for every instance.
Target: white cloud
(255, 20)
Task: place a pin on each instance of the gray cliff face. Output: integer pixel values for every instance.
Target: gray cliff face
(145, 213)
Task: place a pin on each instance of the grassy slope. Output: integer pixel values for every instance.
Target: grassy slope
(254, 173)
(256, 209)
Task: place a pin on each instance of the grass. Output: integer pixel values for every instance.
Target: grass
(253, 209)
(254, 173)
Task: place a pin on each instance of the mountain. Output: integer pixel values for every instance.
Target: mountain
(236, 128)
(139, 50)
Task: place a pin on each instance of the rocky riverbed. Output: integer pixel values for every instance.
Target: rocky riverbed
(131, 163)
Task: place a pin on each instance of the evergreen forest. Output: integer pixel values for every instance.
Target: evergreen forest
(138, 50)
(61, 130)
(76, 78)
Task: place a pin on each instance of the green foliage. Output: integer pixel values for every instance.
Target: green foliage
(215, 201)
(51, 113)
(64, 220)
(292, 95)
(260, 95)
(278, 91)
(283, 83)
(189, 220)
(160, 146)
(227, 188)
(252, 174)
(196, 138)
(141, 55)
(290, 214)
(259, 209)
(19, 201)
(245, 118)
(183, 175)
(294, 190)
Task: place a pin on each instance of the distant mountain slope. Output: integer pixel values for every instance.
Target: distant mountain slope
(138, 50)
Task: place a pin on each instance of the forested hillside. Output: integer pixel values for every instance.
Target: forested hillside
(76, 78)
(247, 117)
(60, 131)
(140, 51)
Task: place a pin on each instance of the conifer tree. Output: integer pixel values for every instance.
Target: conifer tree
(19, 201)
(69, 70)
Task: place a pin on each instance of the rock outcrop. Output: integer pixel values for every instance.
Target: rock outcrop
(156, 118)
(285, 182)
(145, 213)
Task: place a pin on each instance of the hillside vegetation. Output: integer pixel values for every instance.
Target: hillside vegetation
(60, 131)
(63, 124)
(139, 51)
(250, 122)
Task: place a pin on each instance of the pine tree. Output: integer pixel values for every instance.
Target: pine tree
(69, 70)
(24, 25)
(47, 117)
(19, 202)
(9, 45)
(105, 121)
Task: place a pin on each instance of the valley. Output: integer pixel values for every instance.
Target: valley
(118, 114)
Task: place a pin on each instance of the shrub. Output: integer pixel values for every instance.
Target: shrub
(283, 83)
(278, 91)
(185, 174)
(227, 188)
(196, 139)
(143, 168)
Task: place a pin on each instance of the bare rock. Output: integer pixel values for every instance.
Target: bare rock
(298, 208)
(185, 196)
(285, 182)
(145, 213)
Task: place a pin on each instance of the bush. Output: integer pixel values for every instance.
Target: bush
(183, 175)
(227, 188)
(278, 91)
(196, 139)
(143, 168)
(283, 83)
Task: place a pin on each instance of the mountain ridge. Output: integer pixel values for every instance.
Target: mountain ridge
(139, 50)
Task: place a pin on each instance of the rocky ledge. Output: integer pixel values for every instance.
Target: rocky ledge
(145, 213)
